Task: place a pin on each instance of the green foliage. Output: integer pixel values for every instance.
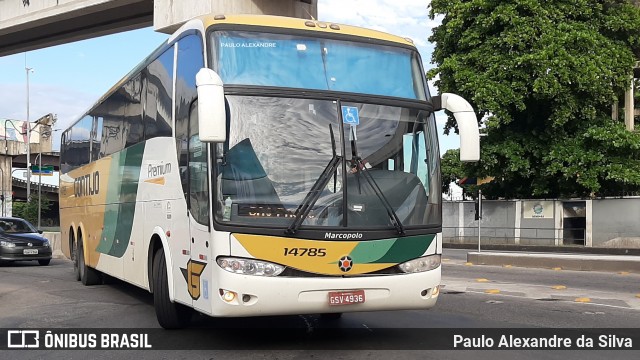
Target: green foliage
(452, 170)
(29, 210)
(543, 75)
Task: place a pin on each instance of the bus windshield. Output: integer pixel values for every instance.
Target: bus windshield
(303, 62)
(281, 151)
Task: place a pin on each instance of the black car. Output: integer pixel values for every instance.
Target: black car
(19, 241)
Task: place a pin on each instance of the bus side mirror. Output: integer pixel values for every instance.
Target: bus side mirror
(212, 117)
(467, 124)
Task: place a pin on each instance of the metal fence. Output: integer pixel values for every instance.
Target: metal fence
(512, 236)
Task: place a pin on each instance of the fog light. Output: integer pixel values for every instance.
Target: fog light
(229, 296)
(436, 291)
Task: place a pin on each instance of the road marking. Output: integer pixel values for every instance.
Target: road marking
(583, 300)
(638, 296)
(623, 273)
(446, 259)
(506, 266)
(468, 264)
(559, 287)
(482, 280)
(493, 302)
(492, 291)
(556, 268)
(527, 298)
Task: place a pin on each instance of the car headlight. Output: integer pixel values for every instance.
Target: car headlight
(7, 244)
(249, 266)
(421, 264)
(46, 243)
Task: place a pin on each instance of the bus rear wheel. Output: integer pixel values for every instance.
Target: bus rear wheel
(171, 315)
(89, 276)
(76, 267)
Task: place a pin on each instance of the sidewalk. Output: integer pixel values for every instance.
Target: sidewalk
(586, 262)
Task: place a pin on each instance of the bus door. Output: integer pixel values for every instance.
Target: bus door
(201, 288)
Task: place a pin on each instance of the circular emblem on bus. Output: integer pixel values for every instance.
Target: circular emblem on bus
(345, 263)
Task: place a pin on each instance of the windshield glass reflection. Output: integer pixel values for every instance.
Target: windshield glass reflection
(280, 157)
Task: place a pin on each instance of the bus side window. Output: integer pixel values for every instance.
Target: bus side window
(190, 151)
(133, 121)
(198, 171)
(158, 86)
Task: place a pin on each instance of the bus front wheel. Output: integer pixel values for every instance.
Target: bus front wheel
(171, 315)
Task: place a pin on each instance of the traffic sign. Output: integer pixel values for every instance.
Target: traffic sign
(46, 170)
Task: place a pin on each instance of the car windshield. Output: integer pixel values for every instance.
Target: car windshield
(353, 164)
(16, 226)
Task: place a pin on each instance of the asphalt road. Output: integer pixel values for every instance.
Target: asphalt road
(32, 296)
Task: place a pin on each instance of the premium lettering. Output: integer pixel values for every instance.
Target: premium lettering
(158, 170)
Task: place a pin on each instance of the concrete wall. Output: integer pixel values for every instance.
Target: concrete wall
(615, 221)
(168, 15)
(497, 225)
(31, 25)
(56, 245)
(609, 222)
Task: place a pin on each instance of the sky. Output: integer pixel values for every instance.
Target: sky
(69, 78)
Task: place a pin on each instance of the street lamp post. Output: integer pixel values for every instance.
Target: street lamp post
(2, 185)
(39, 157)
(28, 70)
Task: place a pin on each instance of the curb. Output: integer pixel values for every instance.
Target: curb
(545, 249)
(581, 262)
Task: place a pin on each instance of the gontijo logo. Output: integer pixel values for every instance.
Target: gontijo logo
(342, 236)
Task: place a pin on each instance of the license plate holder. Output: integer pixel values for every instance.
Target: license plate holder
(337, 298)
(30, 251)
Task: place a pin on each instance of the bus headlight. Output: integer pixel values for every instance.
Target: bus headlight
(421, 264)
(249, 266)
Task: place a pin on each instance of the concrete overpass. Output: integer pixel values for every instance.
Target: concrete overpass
(33, 24)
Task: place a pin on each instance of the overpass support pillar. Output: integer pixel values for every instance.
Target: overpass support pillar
(169, 15)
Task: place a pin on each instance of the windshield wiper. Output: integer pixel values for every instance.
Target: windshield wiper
(360, 166)
(314, 194)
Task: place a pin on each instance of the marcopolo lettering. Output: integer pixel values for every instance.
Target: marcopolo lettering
(87, 185)
(343, 236)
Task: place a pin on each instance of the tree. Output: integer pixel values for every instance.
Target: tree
(29, 210)
(542, 76)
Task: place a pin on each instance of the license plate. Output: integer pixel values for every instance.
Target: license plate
(346, 297)
(30, 251)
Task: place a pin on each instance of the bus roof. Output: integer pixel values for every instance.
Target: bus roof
(301, 24)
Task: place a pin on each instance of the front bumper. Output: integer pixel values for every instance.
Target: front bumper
(288, 296)
(17, 253)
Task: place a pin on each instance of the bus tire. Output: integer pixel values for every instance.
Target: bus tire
(89, 276)
(171, 315)
(75, 256)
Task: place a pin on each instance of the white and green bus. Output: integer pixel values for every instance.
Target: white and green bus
(260, 165)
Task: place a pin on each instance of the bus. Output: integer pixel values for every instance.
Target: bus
(263, 165)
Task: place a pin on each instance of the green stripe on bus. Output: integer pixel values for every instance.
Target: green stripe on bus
(396, 250)
(369, 251)
(121, 196)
